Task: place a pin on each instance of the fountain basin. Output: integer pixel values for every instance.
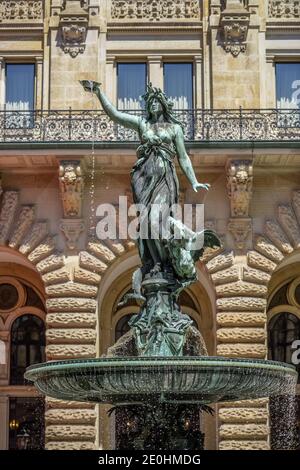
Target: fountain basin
(132, 380)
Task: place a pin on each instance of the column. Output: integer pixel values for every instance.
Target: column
(111, 84)
(2, 82)
(198, 82)
(270, 81)
(39, 82)
(155, 71)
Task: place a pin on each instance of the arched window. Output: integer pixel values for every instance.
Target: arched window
(122, 326)
(283, 335)
(27, 346)
(284, 329)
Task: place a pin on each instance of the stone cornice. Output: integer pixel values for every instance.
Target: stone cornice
(150, 27)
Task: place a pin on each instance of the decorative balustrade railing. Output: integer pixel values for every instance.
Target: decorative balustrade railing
(199, 125)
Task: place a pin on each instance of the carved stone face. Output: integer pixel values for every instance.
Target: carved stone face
(70, 174)
(242, 176)
(156, 106)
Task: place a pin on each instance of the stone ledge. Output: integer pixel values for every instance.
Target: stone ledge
(243, 431)
(244, 445)
(70, 304)
(258, 261)
(71, 289)
(241, 319)
(65, 445)
(243, 350)
(51, 263)
(241, 288)
(258, 403)
(69, 320)
(241, 304)
(241, 335)
(220, 262)
(71, 416)
(256, 276)
(56, 277)
(226, 276)
(101, 251)
(268, 249)
(91, 263)
(65, 404)
(86, 277)
(243, 415)
(71, 335)
(72, 432)
(70, 351)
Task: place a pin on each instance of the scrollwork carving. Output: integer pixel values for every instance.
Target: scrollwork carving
(21, 10)
(154, 10)
(284, 9)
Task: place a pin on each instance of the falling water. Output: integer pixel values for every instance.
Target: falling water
(283, 418)
(92, 222)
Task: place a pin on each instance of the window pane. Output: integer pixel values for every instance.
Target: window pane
(178, 84)
(283, 330)
(131, 85)
(19, 86)
(288, 85)
(27, 346)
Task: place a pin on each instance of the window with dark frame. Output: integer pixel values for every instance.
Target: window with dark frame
(132, 80)
(178, 84)
(19, 95)
(27, 346)
(288, 85)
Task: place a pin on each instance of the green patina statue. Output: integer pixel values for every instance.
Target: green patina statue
(168, 261)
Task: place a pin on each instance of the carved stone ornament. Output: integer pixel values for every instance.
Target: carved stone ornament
(21, 10)
(71, 187)
(240, 230)
(154, 10)
(239, 186)
(72, 228)
(284, 9)
(73, 28)
(234, 27)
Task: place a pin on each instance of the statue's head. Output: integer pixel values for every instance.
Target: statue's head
(158, 103)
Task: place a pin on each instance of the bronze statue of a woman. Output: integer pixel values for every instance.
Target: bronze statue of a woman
(168, 264)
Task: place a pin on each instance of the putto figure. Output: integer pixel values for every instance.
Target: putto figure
(169, 261)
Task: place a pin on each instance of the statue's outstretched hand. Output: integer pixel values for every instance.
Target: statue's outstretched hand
(197, 186)
(90, 85)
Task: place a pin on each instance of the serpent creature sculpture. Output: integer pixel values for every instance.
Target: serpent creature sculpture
(169, 254)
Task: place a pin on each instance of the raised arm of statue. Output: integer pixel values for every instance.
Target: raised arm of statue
(124, 119)
(185, 162)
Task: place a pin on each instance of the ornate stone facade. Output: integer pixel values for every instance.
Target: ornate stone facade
(154, 10)
(254, 201)
(20, 10)
(284, 9)
(71, 187)
(235, 20)
(239, 185)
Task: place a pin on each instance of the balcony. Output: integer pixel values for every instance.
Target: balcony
(200, 125)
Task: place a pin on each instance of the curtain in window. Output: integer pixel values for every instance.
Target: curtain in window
(288, 86)
(131, 85)
(178, 84)
(19, 87)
